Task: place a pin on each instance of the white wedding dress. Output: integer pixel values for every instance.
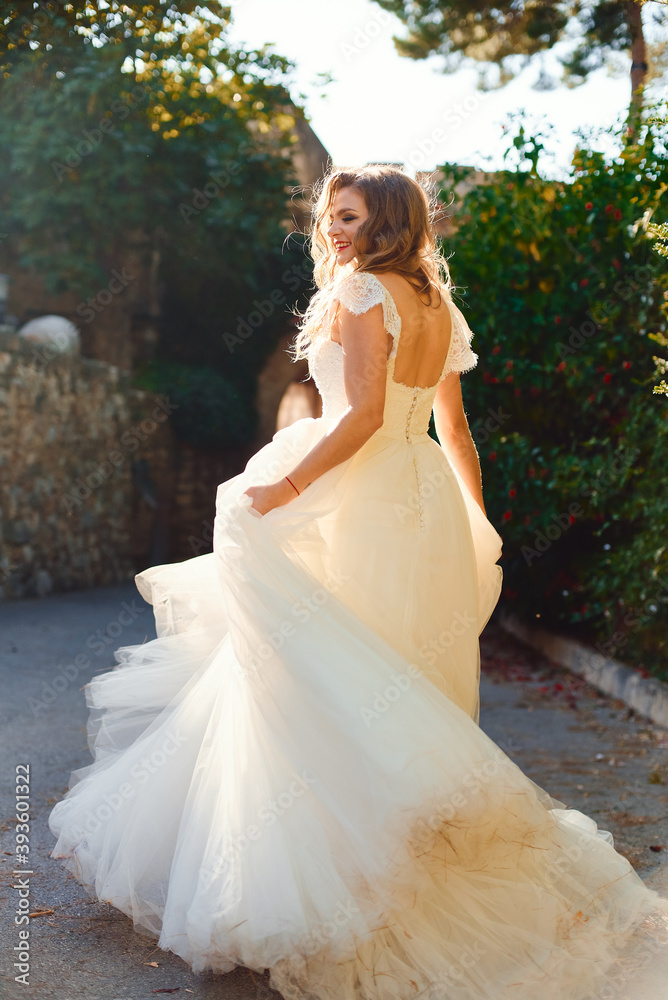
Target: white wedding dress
(291, 776)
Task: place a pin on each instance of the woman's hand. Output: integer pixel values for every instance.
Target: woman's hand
(265, 498)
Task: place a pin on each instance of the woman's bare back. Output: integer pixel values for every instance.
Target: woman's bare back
(425, 333)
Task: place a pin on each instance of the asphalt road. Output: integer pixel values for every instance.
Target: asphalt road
(586, 749)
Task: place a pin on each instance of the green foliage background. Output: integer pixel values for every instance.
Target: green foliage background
(184, 114)
(564, 290)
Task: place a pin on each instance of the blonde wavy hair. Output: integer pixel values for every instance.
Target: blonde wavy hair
(397, 236)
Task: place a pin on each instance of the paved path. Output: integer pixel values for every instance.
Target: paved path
(583, 748)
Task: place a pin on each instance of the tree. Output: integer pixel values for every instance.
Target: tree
(57, 28)
(135, 131)
(496, 33)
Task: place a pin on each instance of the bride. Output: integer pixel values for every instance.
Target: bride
(291, 777)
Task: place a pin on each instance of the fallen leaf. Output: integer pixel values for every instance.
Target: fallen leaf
(655, 847)
(40, 913)
(154, 965)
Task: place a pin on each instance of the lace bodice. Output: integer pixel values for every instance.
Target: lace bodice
(407, 408)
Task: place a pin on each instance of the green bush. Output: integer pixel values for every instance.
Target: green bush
(212, 412)
(564, 289)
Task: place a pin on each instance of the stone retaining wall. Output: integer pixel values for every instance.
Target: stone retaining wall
(93, 485)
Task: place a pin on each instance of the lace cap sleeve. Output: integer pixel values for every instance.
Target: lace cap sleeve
(460, 356)
(359, 292)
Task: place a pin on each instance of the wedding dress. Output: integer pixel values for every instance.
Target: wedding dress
(292, 777)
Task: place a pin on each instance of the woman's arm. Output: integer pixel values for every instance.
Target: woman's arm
(454, 434)
(364, 343)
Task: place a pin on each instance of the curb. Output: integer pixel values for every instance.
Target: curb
(647, 696)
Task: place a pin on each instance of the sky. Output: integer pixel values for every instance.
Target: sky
(381, 107)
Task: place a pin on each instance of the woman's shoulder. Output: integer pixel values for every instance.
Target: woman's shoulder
(358, 290)
(370, 282)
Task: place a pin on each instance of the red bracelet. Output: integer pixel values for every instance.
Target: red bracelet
(293, 486)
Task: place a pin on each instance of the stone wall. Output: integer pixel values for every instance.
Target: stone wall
(93, 484)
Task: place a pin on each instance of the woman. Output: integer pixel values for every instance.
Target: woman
(291, 776)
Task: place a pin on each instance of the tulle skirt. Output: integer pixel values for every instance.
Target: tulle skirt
(291, 776)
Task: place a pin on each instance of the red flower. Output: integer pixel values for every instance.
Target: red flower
(492, 456)
(527, 519)
(618, 213)
(543, 472)
(494, 379)
(507, 516)
(608, 378)
(616, 264)
(590, 399)
(496, 349)
(509, 186)
(627, 364)
(609, 208)
(557, 319)
(558, 687)
(584, 282)
(561, 366)
(509, 365)
(517, 392)
(588, 206)
(532, 472)
(571, 519)
(511, 493)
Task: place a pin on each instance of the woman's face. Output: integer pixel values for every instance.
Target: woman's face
(348, 212)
